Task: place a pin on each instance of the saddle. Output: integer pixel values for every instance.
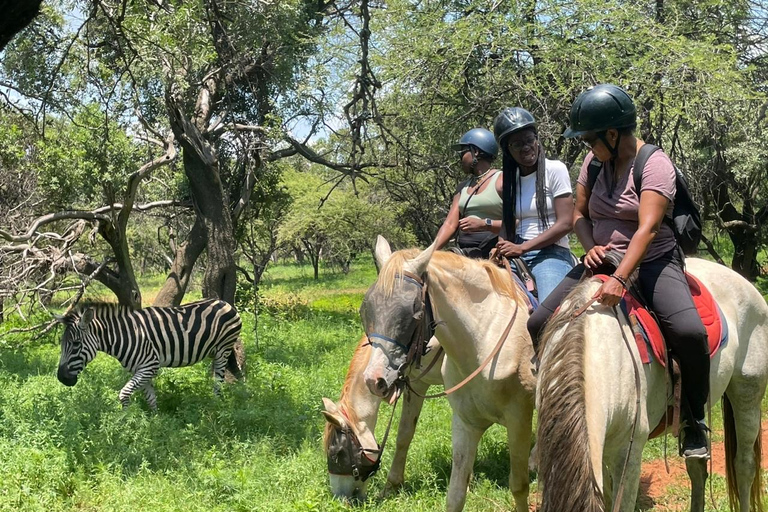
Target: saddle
(650, 341)
(646, 331)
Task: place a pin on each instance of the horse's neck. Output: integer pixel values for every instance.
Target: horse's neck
(358, 398)
(471, 320)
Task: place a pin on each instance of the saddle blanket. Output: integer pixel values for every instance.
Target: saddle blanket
(646, 331)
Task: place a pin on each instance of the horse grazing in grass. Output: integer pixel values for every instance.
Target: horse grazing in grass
(475, 304)
(349, 439)
(587, 396)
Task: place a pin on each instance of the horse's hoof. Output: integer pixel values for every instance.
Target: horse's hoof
(390, 489)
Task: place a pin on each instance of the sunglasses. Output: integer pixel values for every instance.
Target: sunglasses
(518, 145)
(591, 141)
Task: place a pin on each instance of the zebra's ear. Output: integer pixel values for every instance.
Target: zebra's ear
(85, 318)
(59, 318)
(332, 413)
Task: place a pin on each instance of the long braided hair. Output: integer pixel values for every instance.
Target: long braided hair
(511, 175)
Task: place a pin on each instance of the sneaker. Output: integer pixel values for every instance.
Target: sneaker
(695, 442)
(535, 365)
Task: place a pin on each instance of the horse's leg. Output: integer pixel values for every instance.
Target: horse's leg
(412, 405)
(465, 439)
(519, 440)
(697, 472)
(745, 398)
(631, 482)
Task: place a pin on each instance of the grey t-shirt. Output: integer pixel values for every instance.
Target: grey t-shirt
(614, 213)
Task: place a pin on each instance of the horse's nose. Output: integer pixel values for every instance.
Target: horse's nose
(376, 383)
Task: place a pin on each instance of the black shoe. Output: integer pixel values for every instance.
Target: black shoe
(695, 443)
(535, 364)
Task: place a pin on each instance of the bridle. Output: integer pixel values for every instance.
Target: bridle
(415, 347)
(362, 464)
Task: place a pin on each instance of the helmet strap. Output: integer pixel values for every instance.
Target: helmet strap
(613, 149)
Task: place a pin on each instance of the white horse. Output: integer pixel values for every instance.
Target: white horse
(473, 302)
(358, 410)
(587, 394)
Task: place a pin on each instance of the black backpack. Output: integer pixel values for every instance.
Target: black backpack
(685, 221)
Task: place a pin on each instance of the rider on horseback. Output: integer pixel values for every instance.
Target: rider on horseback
(475, 214)
(612, 217)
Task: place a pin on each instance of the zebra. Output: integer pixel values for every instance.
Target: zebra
(144, 340)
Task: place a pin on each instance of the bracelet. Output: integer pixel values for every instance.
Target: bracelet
(620, 279)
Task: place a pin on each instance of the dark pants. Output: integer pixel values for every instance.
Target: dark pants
(666, 290)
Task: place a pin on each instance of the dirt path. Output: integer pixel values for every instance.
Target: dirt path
(655, 480)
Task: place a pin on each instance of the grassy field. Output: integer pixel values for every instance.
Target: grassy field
(257, 448)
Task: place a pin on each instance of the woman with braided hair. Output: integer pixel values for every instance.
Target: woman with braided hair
(537, 202)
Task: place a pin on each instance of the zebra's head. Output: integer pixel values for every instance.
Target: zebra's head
(74, 356)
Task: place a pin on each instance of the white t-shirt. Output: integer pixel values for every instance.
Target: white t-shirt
(557, 184)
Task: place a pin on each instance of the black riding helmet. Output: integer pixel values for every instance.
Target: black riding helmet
(599, 109)
(480, 138)
(511, 120)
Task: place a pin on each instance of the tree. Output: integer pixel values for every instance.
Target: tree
(339, 225)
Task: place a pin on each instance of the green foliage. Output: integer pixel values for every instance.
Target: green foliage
(340, 223)
(86, 163)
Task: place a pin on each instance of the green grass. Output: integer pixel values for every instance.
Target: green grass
(257, 447)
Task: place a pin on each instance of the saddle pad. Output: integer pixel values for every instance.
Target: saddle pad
(648, 336)
(533, 303)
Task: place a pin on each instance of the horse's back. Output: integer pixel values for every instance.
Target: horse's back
(745, 311)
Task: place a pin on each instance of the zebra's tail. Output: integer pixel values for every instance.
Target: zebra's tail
(233, 366)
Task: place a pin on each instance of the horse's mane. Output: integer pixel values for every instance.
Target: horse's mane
(391, 274)
(356, 366)
(567, 478)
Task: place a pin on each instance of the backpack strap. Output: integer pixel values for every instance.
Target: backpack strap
(640, 160)
(593, 171)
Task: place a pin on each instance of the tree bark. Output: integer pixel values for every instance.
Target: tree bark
(17, 14)
(175, 286)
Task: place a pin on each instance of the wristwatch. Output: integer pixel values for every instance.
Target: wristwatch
(488, 222)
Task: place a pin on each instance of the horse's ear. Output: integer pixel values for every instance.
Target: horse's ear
(419, 264)
(332, 413)
(382, 251)
(85, 318)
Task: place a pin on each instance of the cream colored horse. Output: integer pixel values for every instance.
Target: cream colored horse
(587, 394)
(358, 409)
(473, 302)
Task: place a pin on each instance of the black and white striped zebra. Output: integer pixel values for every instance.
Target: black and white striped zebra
(145, 340)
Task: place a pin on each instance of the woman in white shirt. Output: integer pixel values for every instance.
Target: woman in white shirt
(536, 228)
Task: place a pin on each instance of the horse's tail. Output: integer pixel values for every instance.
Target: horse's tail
(567, 478)
(729, 433)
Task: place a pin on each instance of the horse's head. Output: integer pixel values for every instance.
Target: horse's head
(74, 356)
(352, 455)
(393, 313)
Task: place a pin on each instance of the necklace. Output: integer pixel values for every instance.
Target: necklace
(475, 179)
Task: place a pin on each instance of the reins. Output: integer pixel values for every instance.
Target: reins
(622, 479)
(482, 366)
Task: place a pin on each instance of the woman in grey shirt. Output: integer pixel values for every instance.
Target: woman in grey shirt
(612, 216)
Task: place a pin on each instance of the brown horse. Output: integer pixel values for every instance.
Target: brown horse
(349, 439)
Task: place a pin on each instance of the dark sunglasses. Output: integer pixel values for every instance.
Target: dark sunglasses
(590, 141)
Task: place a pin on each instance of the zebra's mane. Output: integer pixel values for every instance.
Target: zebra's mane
(98, 307)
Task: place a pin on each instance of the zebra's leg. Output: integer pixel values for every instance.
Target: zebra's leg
(149, 394)
(219, 367)
(142, 377)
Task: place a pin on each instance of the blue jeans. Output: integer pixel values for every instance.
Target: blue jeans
(548, 266)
